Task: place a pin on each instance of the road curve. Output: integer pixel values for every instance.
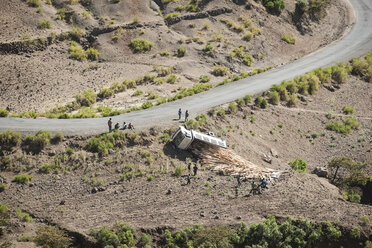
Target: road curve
(357, 43)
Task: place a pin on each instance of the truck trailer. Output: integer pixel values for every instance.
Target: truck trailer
(183, 138)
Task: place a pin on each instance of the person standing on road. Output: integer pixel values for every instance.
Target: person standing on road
(109, 123)
(179, 114)
(195, 170)
(186, 115)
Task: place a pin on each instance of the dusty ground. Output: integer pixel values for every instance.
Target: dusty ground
(40, 80)
(66, 199)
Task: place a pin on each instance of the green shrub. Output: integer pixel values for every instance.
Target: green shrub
(302, 5)
(36, 143)
(289, 39)
(87, 98)
(204, 79)
(247, 99)
(137, 93)
(164, 53)
(221, 113)
(44, 24)
(181, 52)
(344, 128)
(118, 87)
(140, 45)
(292, 101)
(51, 236)
(165, 138)
(77, 52)
(248, 36)
(105, 93)
(85, 112)
(2, 187)
(172, 79)
(352, 196)
(348, 110)
(8, 140)
(58, 137)
(119, 235)
(179, 171)
(298, 165)
(33, 3)
(220, 70)
(260, 102)
(340, 74)
(274, 97)
(4, 112)
(208, 47)
(146, 105)
(102, 142)
(274, 6)
(92, 54)
(24, 216)
(22, 178)
(77, 33)
(233, 108)
(172, 15)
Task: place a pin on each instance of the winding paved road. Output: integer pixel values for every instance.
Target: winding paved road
(357, 43)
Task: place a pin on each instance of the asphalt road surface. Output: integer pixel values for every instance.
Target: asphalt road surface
(356, 43)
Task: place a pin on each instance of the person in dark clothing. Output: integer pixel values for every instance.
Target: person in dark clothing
(238, 179)
(188, 178)
(116, 126)
(189, 167)
(179, 114)
(195, 170)
(109, 123)
(186, 115)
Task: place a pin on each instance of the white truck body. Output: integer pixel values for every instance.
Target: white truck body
(183, 138)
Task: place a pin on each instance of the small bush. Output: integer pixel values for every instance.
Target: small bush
(33, 3)
(105, 93)
(77, 33)
(51, 236)
(77, 52)
(22, 178)
(261, 102)
(208, 47)
(179, 171)
(172, 15)
(344, 128)
(137, 93)
(348, 110)
(221, 113)
(289, 39)
(140, 45)
(292, 101)
(4, 112)
(8, 140)
(233, 108)
(164, 53)
(274, 97)
(220, 70)
(44, 24)
(24, 216)
(36, 143)
(248, 36)
(2, 187)
(274, 6)
(87, 98)
(146, 105)
(352, 196)
(298, 165)
(58, 137)
(92, 54)
(181, 52)
(204, 79)
(172, 79)
(247, 99)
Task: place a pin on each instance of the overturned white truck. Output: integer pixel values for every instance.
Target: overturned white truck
(212, 151)
(183, 138)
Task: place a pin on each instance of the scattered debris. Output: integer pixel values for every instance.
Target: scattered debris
(321, 171)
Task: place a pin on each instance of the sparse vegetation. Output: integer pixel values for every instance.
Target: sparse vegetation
(346, 127)
(51, 236)
(289, 39)
(298, 165)
(181, 52)
(220, 70)
(44, 24)
(140, 45)
(22, 178)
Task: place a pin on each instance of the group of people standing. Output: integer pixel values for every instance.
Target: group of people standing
(180, 114)
(117, 126)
